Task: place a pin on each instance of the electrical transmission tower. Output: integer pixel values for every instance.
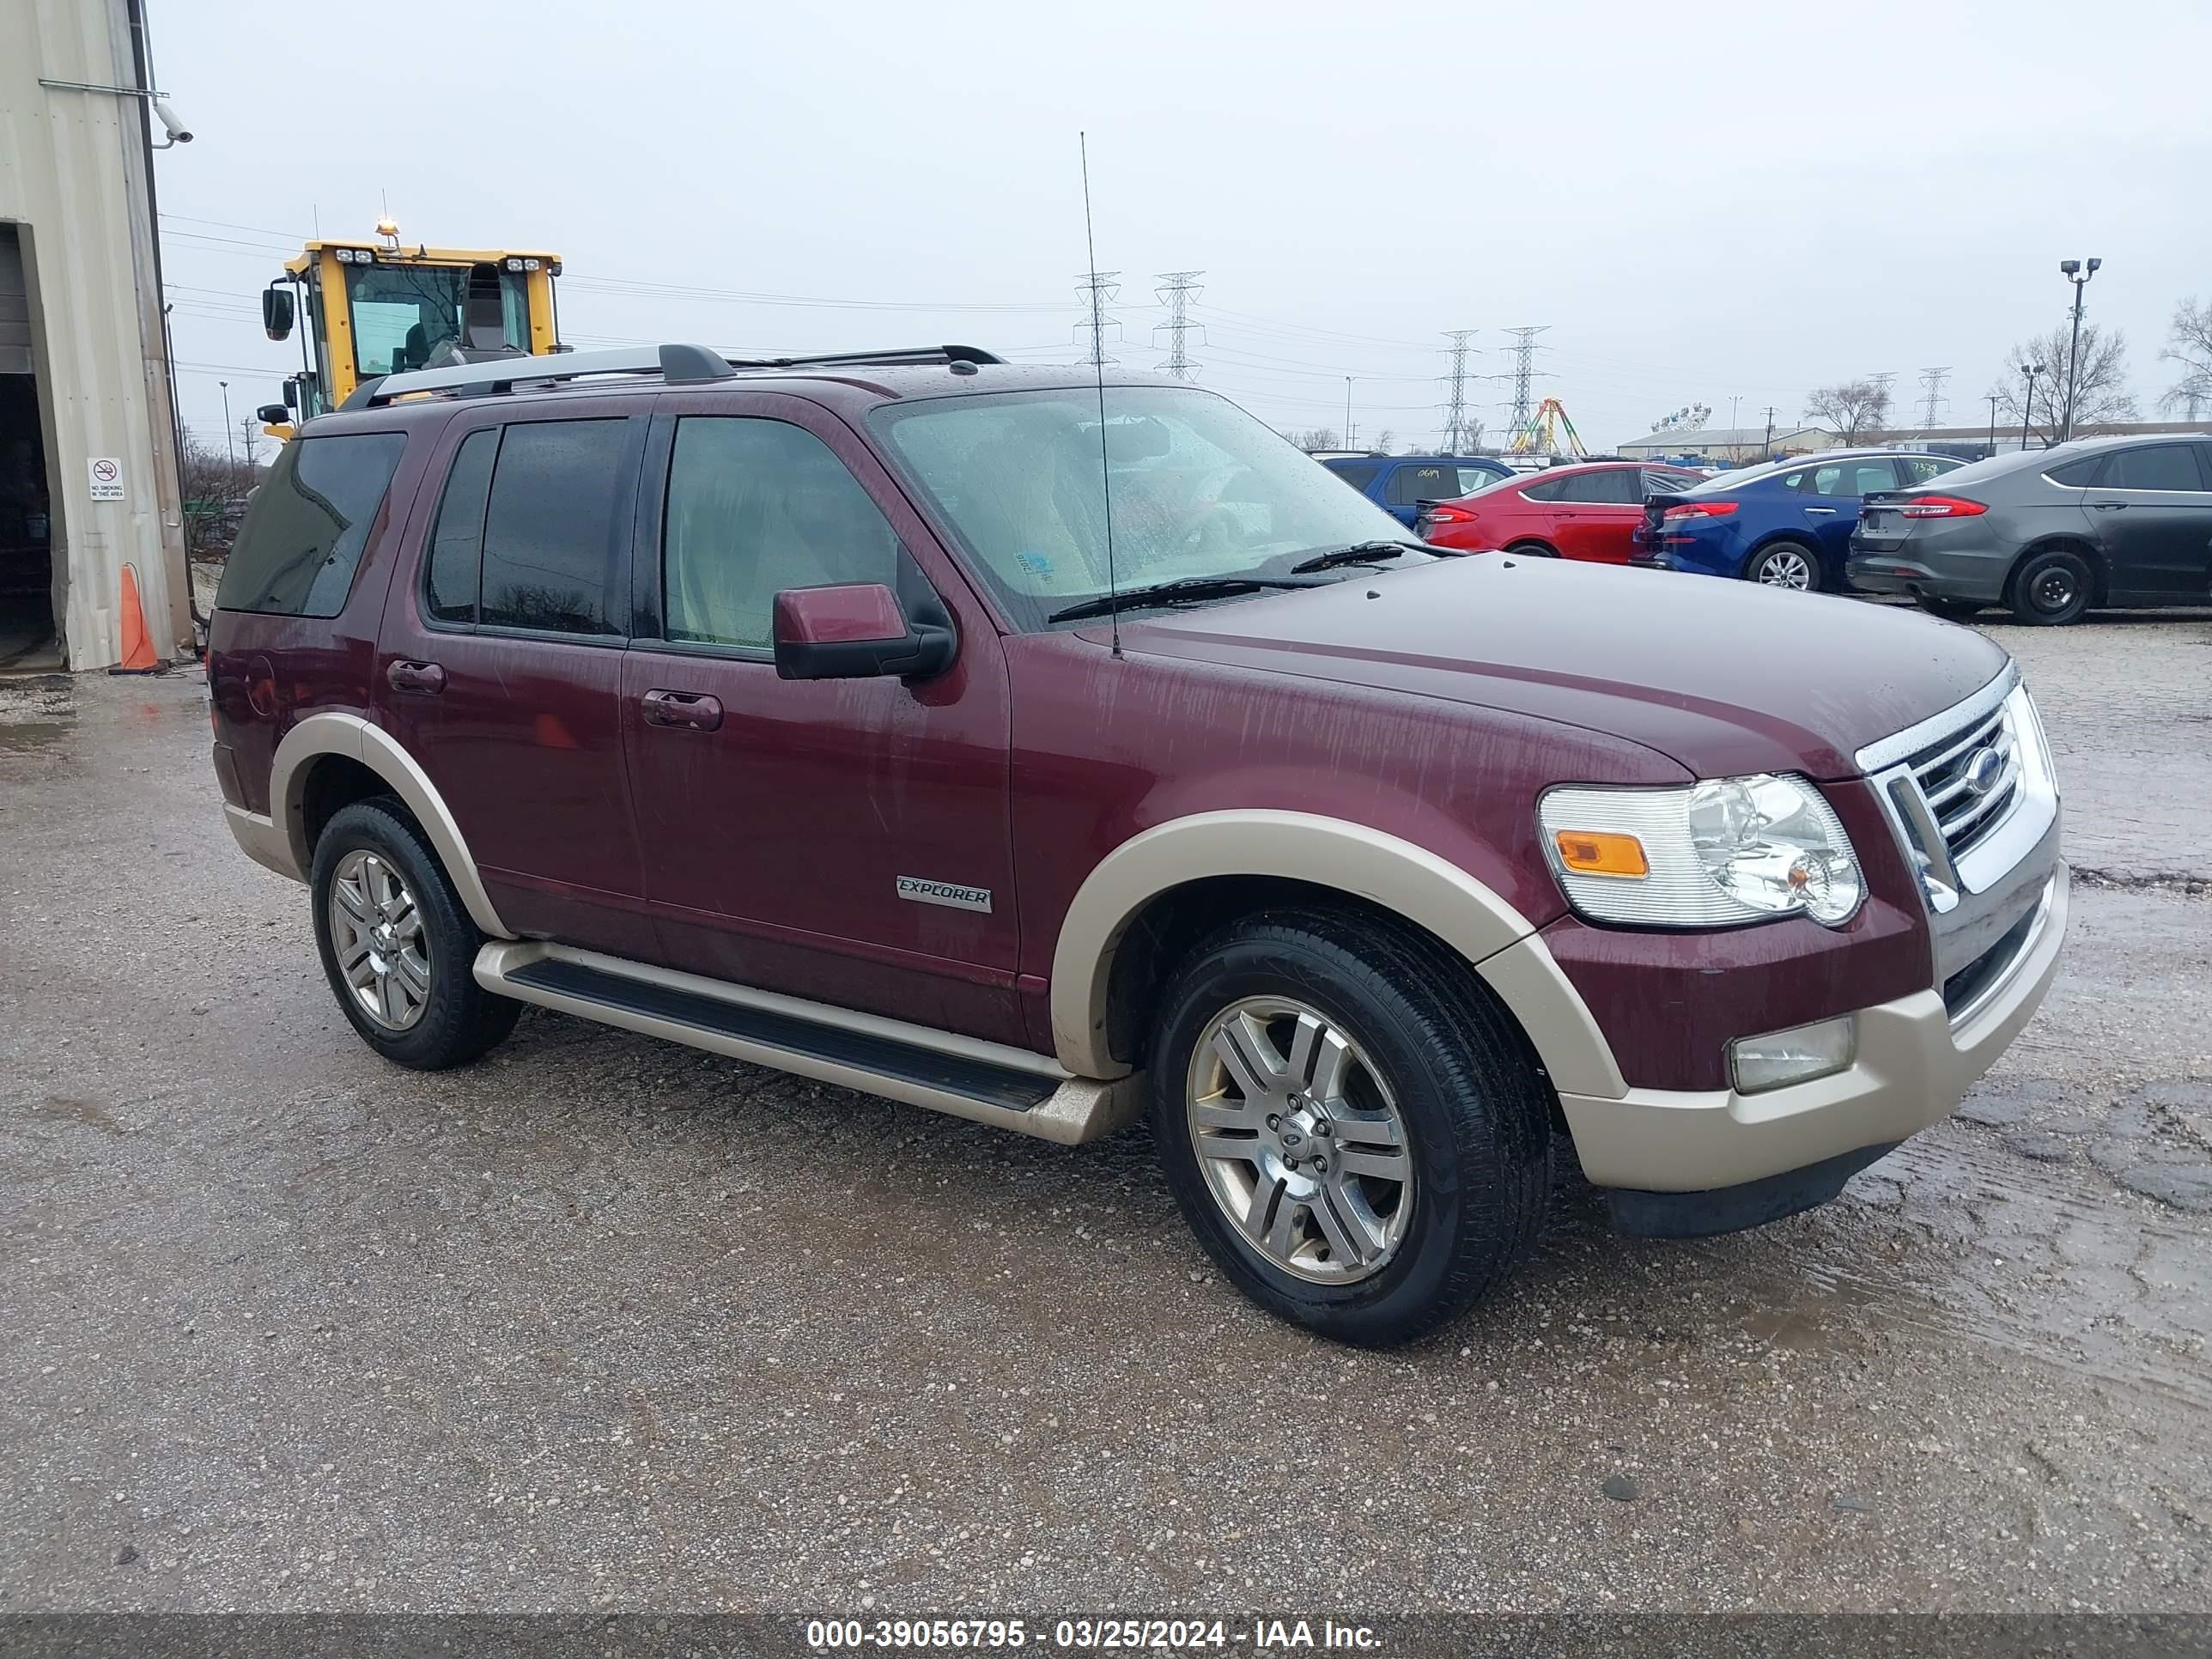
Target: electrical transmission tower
(1933, 401)
(1524, 351)
(1098, 288)
(1176, 290)
(1455, 422)
(1883, 382)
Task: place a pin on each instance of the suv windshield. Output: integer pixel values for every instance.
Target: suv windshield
(1199, 490)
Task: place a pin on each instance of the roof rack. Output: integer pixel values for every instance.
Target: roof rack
(675, 363)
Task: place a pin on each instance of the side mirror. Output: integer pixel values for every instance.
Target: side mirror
(854, 632)
(276, 311)
(273, 414)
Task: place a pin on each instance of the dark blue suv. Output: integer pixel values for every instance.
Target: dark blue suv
(1400, 483)
(1787, 524)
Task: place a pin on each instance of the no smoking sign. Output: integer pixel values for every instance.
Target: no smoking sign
(107, 478)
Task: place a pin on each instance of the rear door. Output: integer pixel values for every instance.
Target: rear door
(1597, 514)
(792, 830)
(1415, 481)
(1830, 501)
(2151, 509)
(499, 661)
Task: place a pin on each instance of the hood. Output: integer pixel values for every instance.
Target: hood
(1724, 676)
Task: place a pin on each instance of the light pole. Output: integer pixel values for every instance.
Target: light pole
(2073, 271)
(2027, 404)
(1348, 411)
(1993, 423)
(229, 433)
(1735, 436)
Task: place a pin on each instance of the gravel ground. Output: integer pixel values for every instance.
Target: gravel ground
(606, 1323)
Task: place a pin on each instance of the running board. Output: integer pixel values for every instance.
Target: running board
(986, 1082)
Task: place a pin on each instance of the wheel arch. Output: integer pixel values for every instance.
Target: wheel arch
(2063, 541)
(327, 760)
(1541, 546)
(1163, 888)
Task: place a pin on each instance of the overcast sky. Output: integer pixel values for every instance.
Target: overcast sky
(1704, 203)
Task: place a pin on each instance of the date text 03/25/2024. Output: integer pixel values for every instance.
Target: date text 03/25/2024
(1261, 1635)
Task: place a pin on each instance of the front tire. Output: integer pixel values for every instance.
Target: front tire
(2052, 589)
(1791, 564)
(397, 945)
(1352, 1125)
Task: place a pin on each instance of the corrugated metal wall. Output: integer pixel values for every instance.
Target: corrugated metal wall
(73, 179)
(15, 306)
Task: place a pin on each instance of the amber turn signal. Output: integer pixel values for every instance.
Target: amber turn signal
(1602, 853)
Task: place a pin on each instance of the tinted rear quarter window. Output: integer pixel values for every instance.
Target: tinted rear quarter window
(1409, 484)
(456, 558)
(2075, 474)
(551, 559)
(303, 537)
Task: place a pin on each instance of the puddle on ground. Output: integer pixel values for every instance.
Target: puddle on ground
(36, 712)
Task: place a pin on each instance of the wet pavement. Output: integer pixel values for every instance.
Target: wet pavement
(605, 1322)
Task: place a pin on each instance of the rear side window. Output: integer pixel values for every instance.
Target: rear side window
(1548, 489)
(2157, 466)
(1357, 474)
(1921, 469)
(303, 537)
(1472, 478)
(551, 559)
(456, 561)
(2076, 474)
(1409, 484)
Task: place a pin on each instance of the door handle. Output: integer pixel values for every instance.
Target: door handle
(692, 711)
(1825, 512)
(2109, 507)
(425, 677)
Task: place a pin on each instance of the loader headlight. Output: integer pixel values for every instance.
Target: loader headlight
(1714, 854)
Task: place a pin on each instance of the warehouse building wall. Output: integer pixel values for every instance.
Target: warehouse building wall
(75, 183)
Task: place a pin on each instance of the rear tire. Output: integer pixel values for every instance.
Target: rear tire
(397, 947)
(1792, 564)
(1951, 610)
(2051, 589)
(1534, 550)
(1377, 1148)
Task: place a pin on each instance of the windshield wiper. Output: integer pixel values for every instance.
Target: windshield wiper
(1355, 553)
(1186, 589)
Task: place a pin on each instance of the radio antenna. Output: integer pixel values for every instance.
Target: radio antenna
(1098, 364)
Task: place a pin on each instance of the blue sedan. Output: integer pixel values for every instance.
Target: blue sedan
(1787, 524)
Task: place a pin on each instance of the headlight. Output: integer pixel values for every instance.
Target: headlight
(1712, 855)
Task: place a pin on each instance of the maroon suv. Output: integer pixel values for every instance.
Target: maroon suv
(1047, 756)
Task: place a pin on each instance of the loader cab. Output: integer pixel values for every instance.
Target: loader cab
(366, 309)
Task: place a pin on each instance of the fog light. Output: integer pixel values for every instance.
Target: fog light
(1797, 1055)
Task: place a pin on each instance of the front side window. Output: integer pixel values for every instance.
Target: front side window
(755, 507)
(2155, 466)
(1198, 490)
(1613, 487)
(304, 535)
(552, 552)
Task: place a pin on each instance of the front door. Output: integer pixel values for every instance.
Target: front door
(2151, 509)
(843, 840)
(498, 667)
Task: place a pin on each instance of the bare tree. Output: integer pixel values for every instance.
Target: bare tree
(1383, 440)
(2189, 343)
(1849, 408)
(212, 481)
(2100, 381)
(1320, 437)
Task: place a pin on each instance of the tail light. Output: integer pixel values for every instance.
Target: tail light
(1697, 510)
(1941, 507)
(1444, 513)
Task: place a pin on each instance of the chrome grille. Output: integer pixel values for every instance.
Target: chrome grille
(1967, 793)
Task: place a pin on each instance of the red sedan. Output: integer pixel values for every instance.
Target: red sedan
(1583, 512)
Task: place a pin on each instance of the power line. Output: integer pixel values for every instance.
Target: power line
(1524, 349)
(1178, 290)
(1931, 380)
(1099, 287)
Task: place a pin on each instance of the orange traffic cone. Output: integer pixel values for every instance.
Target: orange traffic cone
(138, 656)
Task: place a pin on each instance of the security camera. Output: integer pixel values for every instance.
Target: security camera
(178, 133)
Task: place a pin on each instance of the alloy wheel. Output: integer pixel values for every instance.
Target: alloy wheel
(1300, 1140)
(1785, 566)
(376, 931)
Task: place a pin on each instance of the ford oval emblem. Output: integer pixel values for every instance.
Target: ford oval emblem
(1982, 773)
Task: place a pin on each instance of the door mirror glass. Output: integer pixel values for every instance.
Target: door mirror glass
(857, 631)
(276, 311)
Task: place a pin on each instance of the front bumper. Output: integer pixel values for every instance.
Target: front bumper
(1914, 1064)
